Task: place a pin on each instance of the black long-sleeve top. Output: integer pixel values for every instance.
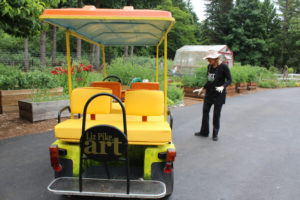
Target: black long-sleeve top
(219, 76)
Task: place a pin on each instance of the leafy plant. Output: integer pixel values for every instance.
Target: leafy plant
(175, 94)
(140, 67)
(267, 83)
(14, 78)
(189, 81)
(79, 75)
(274, 69)
(291, 70)
(291, 83)
(197, 80)
(170, 102)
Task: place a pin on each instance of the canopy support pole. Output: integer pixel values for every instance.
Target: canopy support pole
(69, 67)
(166, 76)
(104, 64)
(157, 49)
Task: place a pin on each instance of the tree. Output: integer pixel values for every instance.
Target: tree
(217, 20)
(272, 30)
(289, 12)
(183, 31)
(44, 27)
(54, 46)
(43, 45)
(79, 40)
(247, 30)
(20, 18)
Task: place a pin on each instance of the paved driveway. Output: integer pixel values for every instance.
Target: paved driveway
(256, 158)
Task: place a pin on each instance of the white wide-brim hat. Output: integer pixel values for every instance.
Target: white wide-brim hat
(212, 54)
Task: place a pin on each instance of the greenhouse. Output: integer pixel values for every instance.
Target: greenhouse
(189, 57)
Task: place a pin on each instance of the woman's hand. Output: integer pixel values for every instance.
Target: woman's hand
(220, 89)
(198, 90)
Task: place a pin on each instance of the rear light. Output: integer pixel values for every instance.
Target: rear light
(171, 154)
(54, 158)
(168, 168)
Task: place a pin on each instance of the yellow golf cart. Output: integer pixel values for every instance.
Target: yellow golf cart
(118, 143)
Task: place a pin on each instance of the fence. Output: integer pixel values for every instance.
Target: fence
(291, 76)
(17, 59)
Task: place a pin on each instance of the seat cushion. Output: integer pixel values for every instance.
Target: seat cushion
(138, 132)
(144, 102)
(80, 96)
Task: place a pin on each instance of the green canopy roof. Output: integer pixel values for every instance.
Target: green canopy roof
(113, 26)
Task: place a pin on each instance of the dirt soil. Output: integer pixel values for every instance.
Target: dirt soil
(12, 126)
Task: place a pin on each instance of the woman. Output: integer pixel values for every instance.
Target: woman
(218, 78)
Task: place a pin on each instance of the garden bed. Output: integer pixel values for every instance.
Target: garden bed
(188, 92)
(38, 111)
(9, 98)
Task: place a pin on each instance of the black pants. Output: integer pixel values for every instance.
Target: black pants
(216, 118)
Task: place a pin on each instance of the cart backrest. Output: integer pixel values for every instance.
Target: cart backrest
(114, 86)
(144, 102)
(101, 105)
(145, 86)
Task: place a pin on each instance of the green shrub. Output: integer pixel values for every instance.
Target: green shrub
(281, 84)
(197, 80)
(239, 74)
(94, 76)
(14, 78)
(127, 71)
(291, 70)
(274, 70)
(170, 102)
(175, 94)
(267, 84)
(189, 81)
(291, 83)
(201, 76)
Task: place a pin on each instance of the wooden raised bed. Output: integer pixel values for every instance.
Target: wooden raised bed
(188, 92)
(251, 85)
(241, 87)
(9, 98)
(231, 89)
(38, 111)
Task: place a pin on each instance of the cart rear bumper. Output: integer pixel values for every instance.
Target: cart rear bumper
(148, 189)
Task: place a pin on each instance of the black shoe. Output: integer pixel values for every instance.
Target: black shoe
(201, 134)
(215, 134)
(215, 138)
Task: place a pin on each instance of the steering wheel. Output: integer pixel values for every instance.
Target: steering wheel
(113, 76)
